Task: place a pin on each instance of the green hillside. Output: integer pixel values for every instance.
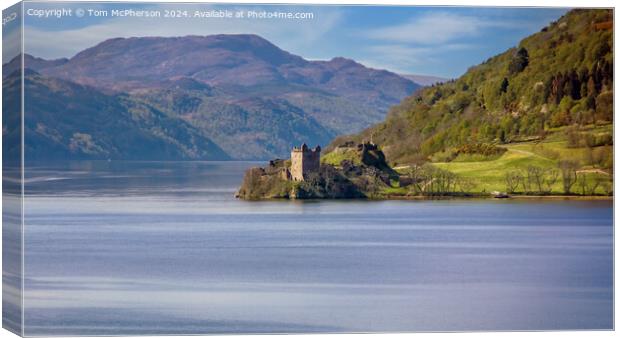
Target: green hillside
(543, 106)
(523, 161)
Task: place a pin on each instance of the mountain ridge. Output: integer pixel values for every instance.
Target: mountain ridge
(213, 59)
(200, 79)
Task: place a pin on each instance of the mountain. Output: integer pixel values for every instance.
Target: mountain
(247, 127)
(424, 80)
(65, 120)
(245, 60)
(561, 76)
(253, 99)
(34, 63)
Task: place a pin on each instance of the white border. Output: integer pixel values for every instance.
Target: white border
(481, 3)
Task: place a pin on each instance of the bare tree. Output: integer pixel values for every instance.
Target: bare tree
(430, 180)
(568, 170)
(446, 182)
(525, 182)
(466, 185)
(513, 179)
(535, 177)
(418, 179)
(551, 177)
(429, 184)
(589, 186)
(582, 183)
(594, 185)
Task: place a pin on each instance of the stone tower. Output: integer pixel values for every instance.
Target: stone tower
(304, 161)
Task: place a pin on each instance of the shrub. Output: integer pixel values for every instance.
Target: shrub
(605, 106)
(444, 156)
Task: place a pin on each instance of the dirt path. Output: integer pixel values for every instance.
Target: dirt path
(594, 171)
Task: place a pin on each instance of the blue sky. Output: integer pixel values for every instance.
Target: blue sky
(441, 41)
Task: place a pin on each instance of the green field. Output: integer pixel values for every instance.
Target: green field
(340, 154)
(539, 166)
(490, 175)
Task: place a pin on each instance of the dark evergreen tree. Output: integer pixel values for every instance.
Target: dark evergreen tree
(504, 86)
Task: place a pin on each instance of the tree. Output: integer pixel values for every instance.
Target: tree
(466, 185)
(501, 135)
(535, 177)
(513, 179)
(551, 176)
(605, 106)
(418, 179)
(519, 61)
(588, 187)
(503, 87)
(432, 181)
(591, 87)
(568, 170)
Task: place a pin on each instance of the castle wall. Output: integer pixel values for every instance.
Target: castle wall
(297, 166)
(311, 162)
(303, 162)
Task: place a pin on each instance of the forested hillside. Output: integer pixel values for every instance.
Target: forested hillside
(65, 120)
(559, 77)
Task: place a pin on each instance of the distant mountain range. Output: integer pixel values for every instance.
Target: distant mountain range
(198, 97)
(425, 80)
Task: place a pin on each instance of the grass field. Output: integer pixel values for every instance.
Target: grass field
(479, 174)
(340, 154)
(488, 176)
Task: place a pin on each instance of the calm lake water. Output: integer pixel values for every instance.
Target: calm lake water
(163, 247)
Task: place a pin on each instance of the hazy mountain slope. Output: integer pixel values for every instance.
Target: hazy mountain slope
(561, 76)
(246, 127)
(64, 120)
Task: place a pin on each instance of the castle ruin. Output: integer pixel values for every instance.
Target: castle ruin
(304, 161)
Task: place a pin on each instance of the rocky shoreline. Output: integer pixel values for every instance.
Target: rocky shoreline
(363, 175)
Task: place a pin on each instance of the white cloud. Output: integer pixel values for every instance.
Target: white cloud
(295, 36)
(401, 58)
(435, 28)
(12, 44)
(422, 42)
